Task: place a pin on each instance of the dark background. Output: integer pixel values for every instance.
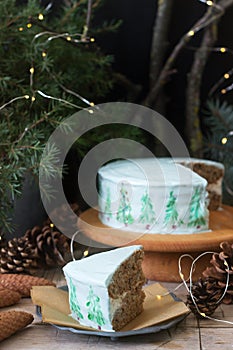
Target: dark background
(130, 47)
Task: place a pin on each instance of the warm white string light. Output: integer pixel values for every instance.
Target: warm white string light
(205, 22)
(224, 140)
(57, 99)
(86, 251)
(189, 288)
(15, 99)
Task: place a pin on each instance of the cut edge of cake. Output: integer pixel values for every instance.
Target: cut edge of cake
(116, 291)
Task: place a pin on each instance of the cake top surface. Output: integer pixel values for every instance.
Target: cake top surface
(99, 268)
(150, 171)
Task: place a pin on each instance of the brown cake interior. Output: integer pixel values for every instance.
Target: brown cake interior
(213, 174)
(125, 290)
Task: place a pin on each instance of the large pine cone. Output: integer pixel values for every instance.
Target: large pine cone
(218, 271)
(39, 247)
(16, 256)
(206, 295)
(49, 246)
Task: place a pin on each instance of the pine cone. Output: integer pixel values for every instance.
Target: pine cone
(49, 246)
(22, 283)
(219, 270)
(8, 297)
(16, 256)
(12, 321)
(63, 217)
(206, 295)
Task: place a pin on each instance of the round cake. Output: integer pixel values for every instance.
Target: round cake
(152, 195)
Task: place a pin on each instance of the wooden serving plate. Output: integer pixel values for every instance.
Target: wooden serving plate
(162, 251)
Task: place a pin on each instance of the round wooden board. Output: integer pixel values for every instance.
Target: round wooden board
(162, 251)
(221, 225)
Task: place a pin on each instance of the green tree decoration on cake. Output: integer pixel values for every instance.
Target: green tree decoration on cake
(124, 210)
(107, 209)
(172, 216)
(74, 304)
(147, 211)
(94, 310)
(197, 210)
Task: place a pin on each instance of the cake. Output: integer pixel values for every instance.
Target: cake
(213, 172)
(152, 195)
(105, 289)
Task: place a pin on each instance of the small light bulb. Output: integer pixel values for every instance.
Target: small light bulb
(26, 96)
(21, 29)
(159, 297)
(224, 140)
(191, 33)
(202, 314)
(51, 225)
(92, 40)
(223, 91)
(90, 111)
(85, 253)
(92, 104)
(181, 275)
(209, 2)
(68, 38)
(226, 76)
(44, 54)
(40, 16)
(33, 98)
(222, 49)
(29, 25)
(32, 70)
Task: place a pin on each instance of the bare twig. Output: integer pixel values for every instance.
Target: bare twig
(159, 38)
(209, 17)
(193, 131)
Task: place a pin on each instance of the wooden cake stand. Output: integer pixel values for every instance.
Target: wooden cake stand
(162, 251)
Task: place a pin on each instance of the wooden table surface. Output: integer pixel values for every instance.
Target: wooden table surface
(188, 334)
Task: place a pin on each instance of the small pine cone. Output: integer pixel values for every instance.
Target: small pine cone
(16, 256)
(63, 217)
(9, 297)
(22, 283)
(206, 295)
(12, 321)
(49, 246)
(222, 264)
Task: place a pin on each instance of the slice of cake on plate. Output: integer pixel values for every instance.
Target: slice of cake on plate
(105, 289)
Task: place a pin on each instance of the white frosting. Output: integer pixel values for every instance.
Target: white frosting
(216, 187)
(88, 280)
(152, 195)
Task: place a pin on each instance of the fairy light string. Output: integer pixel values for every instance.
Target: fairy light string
(86, 251)
(72, 38)
(190, 286)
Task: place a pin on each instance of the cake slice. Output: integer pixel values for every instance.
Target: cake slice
(105, 289)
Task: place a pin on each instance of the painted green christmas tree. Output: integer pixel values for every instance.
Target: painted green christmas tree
(74, 304)
(172, 216)
(94, 310)
(107, 209)
(124, 210)
(147, 211)
(197, 210)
